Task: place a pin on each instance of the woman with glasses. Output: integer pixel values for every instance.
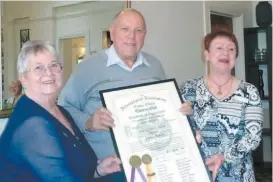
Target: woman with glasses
(41, 141)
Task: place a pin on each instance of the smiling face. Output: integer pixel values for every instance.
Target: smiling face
(15, 88)
(128, 34)
(221, 54)
(47, 83)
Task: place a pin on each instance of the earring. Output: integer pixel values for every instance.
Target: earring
(25, 86)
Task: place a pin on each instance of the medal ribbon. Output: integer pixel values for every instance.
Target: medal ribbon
(140, 173)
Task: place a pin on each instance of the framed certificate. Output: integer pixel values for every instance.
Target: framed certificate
(152, 137)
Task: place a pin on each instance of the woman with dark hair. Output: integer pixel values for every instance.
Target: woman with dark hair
(226, 110)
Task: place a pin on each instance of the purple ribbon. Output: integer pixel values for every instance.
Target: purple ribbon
(140, 173)
(132, 174)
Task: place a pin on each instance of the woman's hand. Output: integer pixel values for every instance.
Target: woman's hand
(214, 163)
(109, 165)
(186, 108)
(198, 136)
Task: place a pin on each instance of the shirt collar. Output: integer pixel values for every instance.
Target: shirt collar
(113, 59)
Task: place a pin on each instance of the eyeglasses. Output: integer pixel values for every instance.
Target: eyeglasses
(39, 70)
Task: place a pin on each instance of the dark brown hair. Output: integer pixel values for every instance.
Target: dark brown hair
(220, 33)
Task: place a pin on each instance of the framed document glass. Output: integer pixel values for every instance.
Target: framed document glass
(152, 137)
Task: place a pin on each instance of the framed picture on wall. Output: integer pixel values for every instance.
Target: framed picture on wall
(24, 36)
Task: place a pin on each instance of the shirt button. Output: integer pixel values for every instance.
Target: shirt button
(74, 145)
(64, 134)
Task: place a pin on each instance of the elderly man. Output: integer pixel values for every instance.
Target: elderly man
(16, 89)
(122, 64)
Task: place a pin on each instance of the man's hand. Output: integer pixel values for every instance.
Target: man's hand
(101, 120)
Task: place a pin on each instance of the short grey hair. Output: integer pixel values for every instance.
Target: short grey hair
(132, 10)
(31, 48)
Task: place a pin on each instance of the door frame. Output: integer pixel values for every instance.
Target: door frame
(58, 39)
(59, 47)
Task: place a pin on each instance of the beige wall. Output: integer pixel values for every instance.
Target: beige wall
(175, 33)
(183, 24)
(175, 29)
(82, 19)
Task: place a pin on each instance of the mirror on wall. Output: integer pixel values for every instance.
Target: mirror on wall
(75, 28)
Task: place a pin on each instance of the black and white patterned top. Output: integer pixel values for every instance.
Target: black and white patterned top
(231, 126)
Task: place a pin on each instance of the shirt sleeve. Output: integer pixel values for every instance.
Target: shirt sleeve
(253, 119)
(38, 143)
(72, 99)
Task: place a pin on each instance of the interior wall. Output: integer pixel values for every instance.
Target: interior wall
(180, 51)
(88, 20)
(184, 24)
(175, 38)
(83, 19)
(40, 23)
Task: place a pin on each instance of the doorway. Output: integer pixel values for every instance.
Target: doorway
(106, 40)
(72, 51)
(221, 22)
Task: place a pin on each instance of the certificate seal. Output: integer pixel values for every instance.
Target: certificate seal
(146, 159)
(155, 134)
(135, 161)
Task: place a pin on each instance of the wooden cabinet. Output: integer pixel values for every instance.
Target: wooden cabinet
(258, 67)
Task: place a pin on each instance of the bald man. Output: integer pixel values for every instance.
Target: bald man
(122, 64)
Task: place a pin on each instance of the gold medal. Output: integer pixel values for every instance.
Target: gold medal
(135, 161)
(146, 159)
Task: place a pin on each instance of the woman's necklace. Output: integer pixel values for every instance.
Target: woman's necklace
(219, 92)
